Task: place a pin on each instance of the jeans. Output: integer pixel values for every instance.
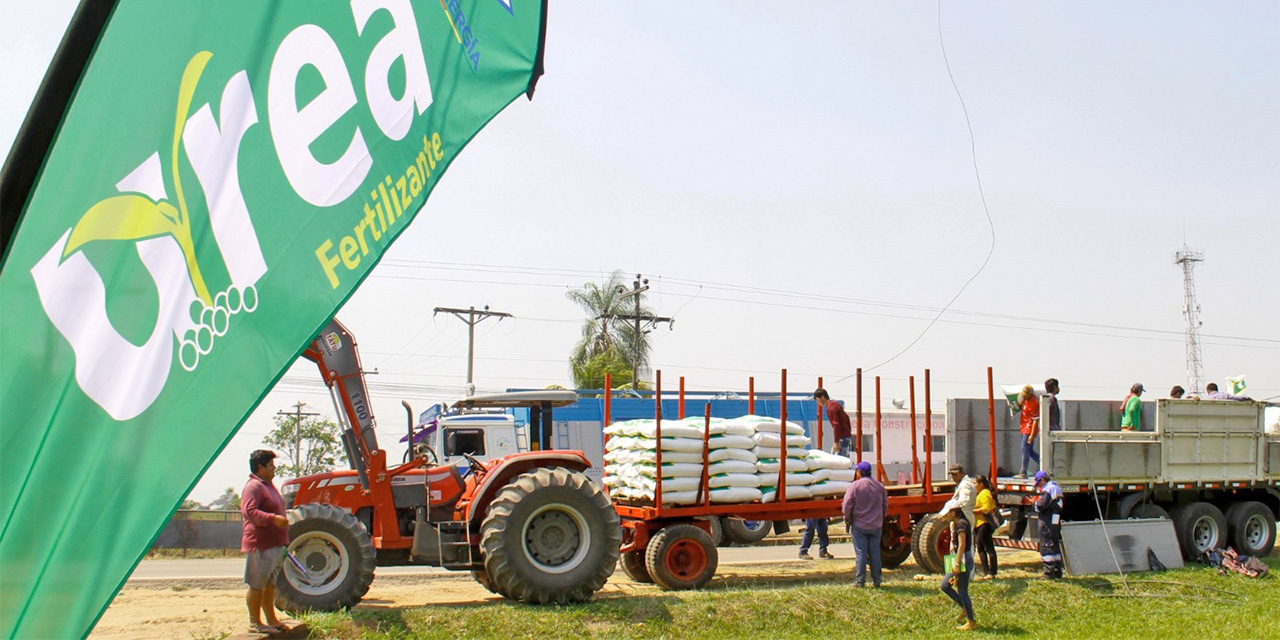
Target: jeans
(867, 545)
(987, 549)
(960, 594)
(810, 526)
(844, 444)
(1029, 453)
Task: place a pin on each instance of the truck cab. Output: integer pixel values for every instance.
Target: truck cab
(484, 428)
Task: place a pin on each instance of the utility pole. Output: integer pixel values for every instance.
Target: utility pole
(638, 287)
(472, 318)
(1187, 260)
(297, 414)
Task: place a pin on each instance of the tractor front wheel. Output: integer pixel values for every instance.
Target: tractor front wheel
(550, 536)
(329, 563)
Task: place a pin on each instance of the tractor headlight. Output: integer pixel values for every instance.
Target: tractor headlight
(289, 492)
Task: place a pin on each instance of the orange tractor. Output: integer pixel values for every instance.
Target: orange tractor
(529, 526)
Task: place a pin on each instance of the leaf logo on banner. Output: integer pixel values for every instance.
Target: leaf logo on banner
(134, 217)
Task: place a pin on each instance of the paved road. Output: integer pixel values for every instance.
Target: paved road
(233, 568)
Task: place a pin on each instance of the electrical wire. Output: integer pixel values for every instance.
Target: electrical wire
(973, 152)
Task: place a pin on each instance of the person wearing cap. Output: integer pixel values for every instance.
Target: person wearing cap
(841, 430)
(1029, 426)
(865, 504)
(1049, 509)
(965, 496)
(956, 584)
(1131, 409)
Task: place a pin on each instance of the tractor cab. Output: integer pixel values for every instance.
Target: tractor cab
(485, 427)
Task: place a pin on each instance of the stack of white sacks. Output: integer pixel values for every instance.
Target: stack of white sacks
(743, 461)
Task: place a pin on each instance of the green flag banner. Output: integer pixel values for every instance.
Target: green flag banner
(221, 179)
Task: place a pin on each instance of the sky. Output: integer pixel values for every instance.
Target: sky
(798, 183)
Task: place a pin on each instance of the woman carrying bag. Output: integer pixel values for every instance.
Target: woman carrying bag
(986, 516)
(960, 564)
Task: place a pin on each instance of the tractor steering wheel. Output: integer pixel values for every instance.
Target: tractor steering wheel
(421, 450)
(476, 466)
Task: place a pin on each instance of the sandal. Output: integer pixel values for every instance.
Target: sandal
(264, 628)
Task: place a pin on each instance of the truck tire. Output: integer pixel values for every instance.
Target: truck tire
(633, 565)
(1017, 523)
(1147, 510)
(681, 556)
(930, 541)
(1252, 527)
(895, 546)
(335, 561)
(745, 532)
(1200, 527)
(550, 536)
(716, 523)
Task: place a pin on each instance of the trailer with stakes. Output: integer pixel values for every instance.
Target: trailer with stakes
(672, 545)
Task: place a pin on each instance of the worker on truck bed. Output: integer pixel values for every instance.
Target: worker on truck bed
(1055, 413)
(1211, 392)
(840, 429)
(1131, 409)
(1029, 427)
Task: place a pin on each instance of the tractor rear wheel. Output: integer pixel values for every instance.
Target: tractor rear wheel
(330, 561)
(681, 556)
(633, 565)
(550, 536)
(482, 576)
(745, 532)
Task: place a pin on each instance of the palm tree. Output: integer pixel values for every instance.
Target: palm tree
(608, 345)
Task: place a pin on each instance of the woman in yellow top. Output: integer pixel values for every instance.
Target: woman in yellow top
(984, 520)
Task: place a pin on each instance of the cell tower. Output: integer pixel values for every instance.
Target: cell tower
(1187, 259)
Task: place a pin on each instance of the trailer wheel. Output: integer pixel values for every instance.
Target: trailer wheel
(550, 536)
(1201, 527)
(681, 556)
(1147, 510)
(633, 565)
(745, 532)
(895, 546)
(334, 557)
(1253, 528)
(930, 541)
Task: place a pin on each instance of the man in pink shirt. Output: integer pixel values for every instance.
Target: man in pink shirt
(865, 504)
(266, 534)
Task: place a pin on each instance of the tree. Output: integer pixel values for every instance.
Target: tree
(228, 501)
(607, 345)
(191, 505)
(305, 445)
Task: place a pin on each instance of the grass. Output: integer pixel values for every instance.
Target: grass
(200, 554)
(1194, 602)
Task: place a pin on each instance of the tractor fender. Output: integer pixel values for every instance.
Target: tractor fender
(513, 465)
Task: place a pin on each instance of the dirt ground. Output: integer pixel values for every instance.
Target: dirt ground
(216, 608)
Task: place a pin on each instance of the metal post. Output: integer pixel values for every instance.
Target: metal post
(928, 435)
(681, 397)
(751, 395)
(915, 456)
(879, 462)
(991, 416)
(833, 434)
(782, 471)
(858, 441)
(657, 435)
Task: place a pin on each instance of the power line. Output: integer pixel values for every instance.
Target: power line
(472, 318)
